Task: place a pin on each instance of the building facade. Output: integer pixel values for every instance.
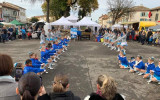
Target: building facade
(10, 12)
(139, 13)
(155, 14)
(103, 20)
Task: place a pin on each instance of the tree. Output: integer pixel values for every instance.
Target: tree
(34, 19)
(59, 8)
(119, 8)
(87, 7)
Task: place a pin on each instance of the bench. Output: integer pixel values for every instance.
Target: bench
(85, 35)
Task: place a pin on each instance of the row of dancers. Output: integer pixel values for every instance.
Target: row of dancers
(136, 65)
(114, 41)
(50, 54)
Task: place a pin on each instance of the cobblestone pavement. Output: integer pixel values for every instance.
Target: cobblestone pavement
(85, 60)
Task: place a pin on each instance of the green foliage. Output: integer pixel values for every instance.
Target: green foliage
(59, 8)
(34, 19)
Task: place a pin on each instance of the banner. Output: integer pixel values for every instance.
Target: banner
(74, 32)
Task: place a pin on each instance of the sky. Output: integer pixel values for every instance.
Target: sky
(35, 9)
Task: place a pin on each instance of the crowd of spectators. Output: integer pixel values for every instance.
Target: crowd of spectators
(12, 33)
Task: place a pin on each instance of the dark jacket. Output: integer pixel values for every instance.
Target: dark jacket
(44, 97)
(95, 96)
(64, 96)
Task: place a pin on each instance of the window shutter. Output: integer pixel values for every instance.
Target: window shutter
(146, 14)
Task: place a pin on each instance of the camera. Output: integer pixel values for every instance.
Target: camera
(18, 73)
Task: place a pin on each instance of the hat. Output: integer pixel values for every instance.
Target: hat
(124, 53)
(30, 53)
(151, 58)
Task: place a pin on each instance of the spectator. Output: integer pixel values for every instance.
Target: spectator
(23, 33)
(29, 87)
(133, 33)
(106, 90)
(19, 33)
(150, 40)
(0, 35)
(60, 89)
(143, 37)
(4, 34)
(155, 37)
(79, 34)
(14, 33)
(7, 83)
(148, 35)
(39, 33)
(128, 34)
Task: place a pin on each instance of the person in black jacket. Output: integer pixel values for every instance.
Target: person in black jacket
(106, 90)
(60, 89)
(143, 37)
(148, 35)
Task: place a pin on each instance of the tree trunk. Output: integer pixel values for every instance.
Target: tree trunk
(47, 11)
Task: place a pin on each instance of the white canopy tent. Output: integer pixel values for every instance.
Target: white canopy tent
(87, 22)
(119, 26)
(62, 22)
(72, 19)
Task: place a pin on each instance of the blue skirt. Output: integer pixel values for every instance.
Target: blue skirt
(157, 77)
(125, 66)
(119, 43)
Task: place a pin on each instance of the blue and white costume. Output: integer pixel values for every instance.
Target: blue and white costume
(140, 65)
(157, 73)
(124, 61)
(131, 64)
(123, 40)
(150, 67)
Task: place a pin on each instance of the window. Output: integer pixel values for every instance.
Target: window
(156, 17)
(141, 19)
(143, 14)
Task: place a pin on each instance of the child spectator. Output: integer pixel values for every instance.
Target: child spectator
(61, 89)
(150, 39)
(7, 83)
(106, 90)
(150, 66)
(155, 37)
(29, 34)
(123, 59)
(155, 74)
(29, 87)
(28, 68)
